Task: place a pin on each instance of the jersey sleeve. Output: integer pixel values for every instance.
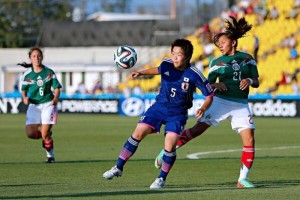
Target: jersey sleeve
(163, 66)
(24, 83)
(55, 82)
(202, 83)
(253, 68)
(213, 72)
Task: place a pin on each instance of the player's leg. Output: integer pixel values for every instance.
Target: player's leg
(49, 118)
(216, 113)
(33, 120)
(172, 132)
(242, 122)
(186, 136)
(132, 144)
(48, 143)
(129, 148)
(32, 131)
(149, 123)
(168, 160)
(191, 133)
(247, 158)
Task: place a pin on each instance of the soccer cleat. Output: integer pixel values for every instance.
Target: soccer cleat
(50, 160)
(158, 183)
(158, 159)
(244, 183)
(113, 172)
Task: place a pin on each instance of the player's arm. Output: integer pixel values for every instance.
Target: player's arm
(213, 76)
(252, 79)
(255, 83)
(24, 97)
(56, 96)
(220, 86)
(247, 82)
(150, 71)
(207, 91)
(204, 107)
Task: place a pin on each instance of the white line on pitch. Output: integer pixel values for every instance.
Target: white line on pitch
(196, 155)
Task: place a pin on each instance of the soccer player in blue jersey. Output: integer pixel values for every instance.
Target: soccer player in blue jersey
(179, 80)
(235, 71)
(40, 91)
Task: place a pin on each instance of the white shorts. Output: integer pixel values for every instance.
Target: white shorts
(44, 113)
(238, 114)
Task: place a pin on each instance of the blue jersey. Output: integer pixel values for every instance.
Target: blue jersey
(175, 97)
(178, 87)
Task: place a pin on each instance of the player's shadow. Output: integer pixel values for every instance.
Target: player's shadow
(276, 183)
(180, 188)
(149, 159)
(258, 184)
(113, 193)
(25, 185)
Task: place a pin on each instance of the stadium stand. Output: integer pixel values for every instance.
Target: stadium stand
(273, 56)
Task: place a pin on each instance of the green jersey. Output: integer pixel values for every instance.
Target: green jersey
(40, 85)
(231, 70)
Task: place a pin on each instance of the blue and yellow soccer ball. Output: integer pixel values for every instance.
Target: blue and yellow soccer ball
(125, 57)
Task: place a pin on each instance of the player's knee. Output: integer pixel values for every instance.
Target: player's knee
(30, 134)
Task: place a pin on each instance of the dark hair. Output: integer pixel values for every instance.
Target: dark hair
(27, 65)
(186, 46)
(234, 30)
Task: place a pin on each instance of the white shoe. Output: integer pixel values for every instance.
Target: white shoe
(113, 172)
(158, 183)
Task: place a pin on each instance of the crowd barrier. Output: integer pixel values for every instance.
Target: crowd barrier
(264, 105)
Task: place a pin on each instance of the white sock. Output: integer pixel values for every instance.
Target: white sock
(244, 172)
(50, 153)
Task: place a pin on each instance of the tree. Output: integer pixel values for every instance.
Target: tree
(116, 6)
(21, 20)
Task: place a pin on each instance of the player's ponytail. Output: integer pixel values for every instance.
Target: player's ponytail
(25, 65)
(237, 29)
(234, 30)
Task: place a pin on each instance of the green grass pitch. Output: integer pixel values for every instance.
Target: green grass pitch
(88, 145)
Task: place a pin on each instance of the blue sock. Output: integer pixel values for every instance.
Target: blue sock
(128, 150)
(168, 161)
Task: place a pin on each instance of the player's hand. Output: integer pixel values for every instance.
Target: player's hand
(244, 84)
(199, 113)
(54, 102)
(219, 87)
(134, 75)
(25, 101)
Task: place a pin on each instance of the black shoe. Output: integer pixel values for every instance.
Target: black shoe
(50, 160)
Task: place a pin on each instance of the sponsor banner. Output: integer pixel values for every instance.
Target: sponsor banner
(136, 106)
(88, 106)
(261, 108)
(105, 106)
(275, 108)
(12, 105)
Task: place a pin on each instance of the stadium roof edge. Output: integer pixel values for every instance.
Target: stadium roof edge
(108, 16)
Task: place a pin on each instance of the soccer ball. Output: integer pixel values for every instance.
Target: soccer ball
(125, 57)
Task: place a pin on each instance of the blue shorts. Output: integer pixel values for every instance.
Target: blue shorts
(157, 115)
